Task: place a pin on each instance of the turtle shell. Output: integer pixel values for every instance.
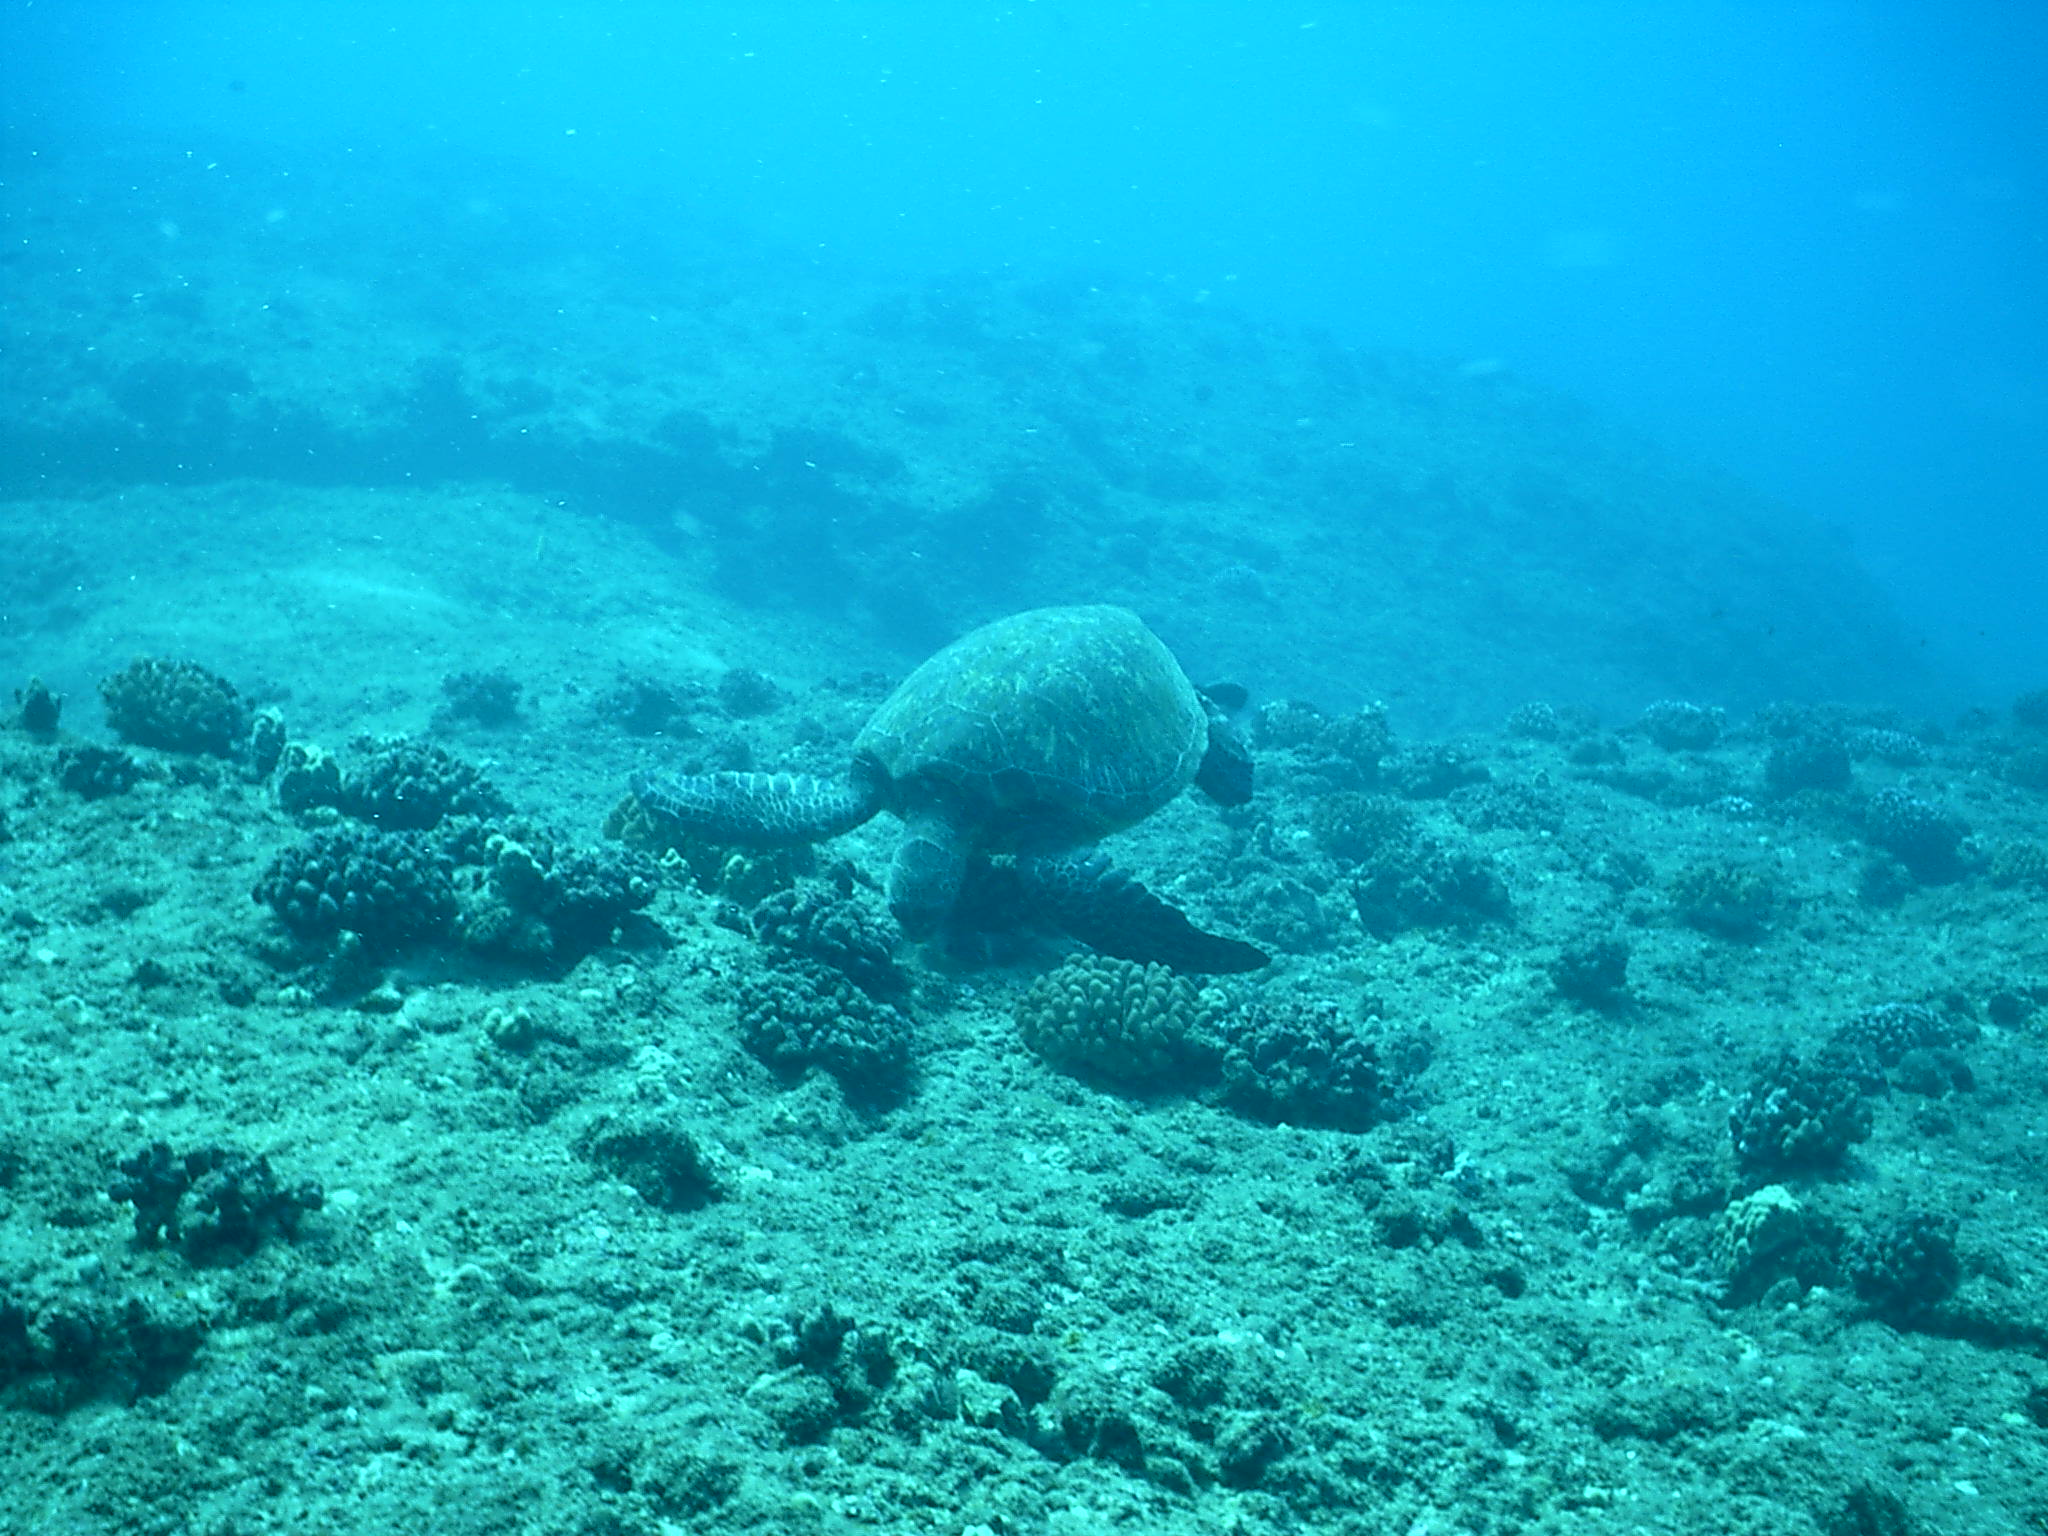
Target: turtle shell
(1050, 728)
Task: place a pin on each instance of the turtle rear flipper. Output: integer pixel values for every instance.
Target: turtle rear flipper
(763, 809)
(1110, 911)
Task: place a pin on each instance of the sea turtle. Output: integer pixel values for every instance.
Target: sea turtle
(1031, 737)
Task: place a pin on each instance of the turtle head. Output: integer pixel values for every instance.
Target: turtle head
(924, 878)
(1225, 774)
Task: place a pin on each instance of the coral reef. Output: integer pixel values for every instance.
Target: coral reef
(645, 706)
(538, 899)
(1593, 971)
(265, 748)
(1907, 1267)
(817, 922)
(1798, 1117)
(1305, 1064)
(800, 1014)
(390, 888)
(1354, 826)
(1287, 723)
(237, 1200)
(307, 778)
(410, 786)
(178, 706)
(2028, 769)
(1733, 900)
(1274, 1303)
(1677, 726)
(1420, 882)
(1808, 762)
(1510, 805)
(489, 699)
(1535, 721)
(743, 692)
(1139, 1028)
(1880, 1039)
(1922, 836)
(1895, 748)
(1352, 747)
(1770, 1238)
(1432, 772)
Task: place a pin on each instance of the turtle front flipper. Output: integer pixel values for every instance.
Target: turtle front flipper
(1108, 910)
(763, 809)
(925, 876)
(1225, 774)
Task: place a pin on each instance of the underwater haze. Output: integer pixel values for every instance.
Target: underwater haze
(1800, 242)
(1031, 767)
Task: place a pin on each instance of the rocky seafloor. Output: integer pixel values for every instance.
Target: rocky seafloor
(1637, 1130)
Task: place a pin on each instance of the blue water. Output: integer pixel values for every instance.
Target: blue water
(559, 972)
(1801, 242)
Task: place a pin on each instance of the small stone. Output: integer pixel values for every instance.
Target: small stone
(384, 998)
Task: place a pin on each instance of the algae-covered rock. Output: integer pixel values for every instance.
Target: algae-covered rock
(216, 1203)
(654, 1153)
(38, 708)
(93, 772)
